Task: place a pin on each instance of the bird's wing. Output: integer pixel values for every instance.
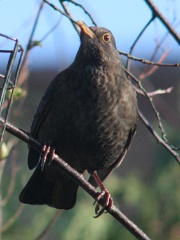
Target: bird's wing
(43, 109)
(102, 174)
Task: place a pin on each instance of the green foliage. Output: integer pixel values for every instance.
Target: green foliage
(18, 93)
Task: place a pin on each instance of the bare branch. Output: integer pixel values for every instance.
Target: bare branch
(156, 135)
(78, 178)
(154, 93)
(51, 30)
(144, 61)
(59, 10)
(24, 71)
(50, 225)
(34, 27)
(160, 91)
(12, 219)
(154, 68)
(11, 186)
(136, 40)
(155, 111)
(158, 14)
(85, 11)
(162, 140)
(69, 16)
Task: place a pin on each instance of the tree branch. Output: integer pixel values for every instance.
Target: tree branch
(78, 178)
(85, 11)
(160, 140)
(158, 14)
(59, 10)
(136, 40)
(12, 219)
(156, 135)
(69, 16)
(144, 61)
(45, 231)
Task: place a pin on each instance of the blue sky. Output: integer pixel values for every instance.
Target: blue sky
(124, 18)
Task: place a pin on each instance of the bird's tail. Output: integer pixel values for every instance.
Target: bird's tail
(40, 190)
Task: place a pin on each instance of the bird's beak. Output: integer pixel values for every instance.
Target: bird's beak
(85, 29)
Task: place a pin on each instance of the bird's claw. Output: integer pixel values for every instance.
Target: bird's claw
(46, 150)
(108, 201)
(107, 204)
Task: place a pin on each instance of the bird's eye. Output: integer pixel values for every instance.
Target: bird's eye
(106, 37)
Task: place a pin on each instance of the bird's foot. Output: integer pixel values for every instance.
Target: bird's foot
(108, 203)
(47, 155)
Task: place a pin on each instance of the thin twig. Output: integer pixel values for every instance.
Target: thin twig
(50, 31)
(50, 225)
(12, 144)
(28, 47)
(162, 140)
(6, 226)
(160, 91)
(34, 28)
(154, 93)
(86, 12)
(136, 40)
(144, 61)
(23, 71)
(155, 111)
(156, 135)
(154, 54)
(59, 10)
(10, 188)
(158, 14)
(153, 68)
(69, 16)
(79, 179)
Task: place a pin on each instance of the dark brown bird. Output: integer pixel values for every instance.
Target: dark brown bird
(88, 115)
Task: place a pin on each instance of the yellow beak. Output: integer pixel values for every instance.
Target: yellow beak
(85, 29)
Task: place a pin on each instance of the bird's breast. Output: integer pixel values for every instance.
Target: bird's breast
(93, 116)
(105, 114)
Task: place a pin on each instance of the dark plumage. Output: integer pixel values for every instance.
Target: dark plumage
(88, 114)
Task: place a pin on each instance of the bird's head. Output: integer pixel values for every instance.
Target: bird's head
(97, 45)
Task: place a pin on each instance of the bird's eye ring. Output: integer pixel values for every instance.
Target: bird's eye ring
(106, 37)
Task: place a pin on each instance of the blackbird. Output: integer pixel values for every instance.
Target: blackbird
(88, 114)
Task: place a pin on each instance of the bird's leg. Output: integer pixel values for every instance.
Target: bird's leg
(104, 193)
(46, 150)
